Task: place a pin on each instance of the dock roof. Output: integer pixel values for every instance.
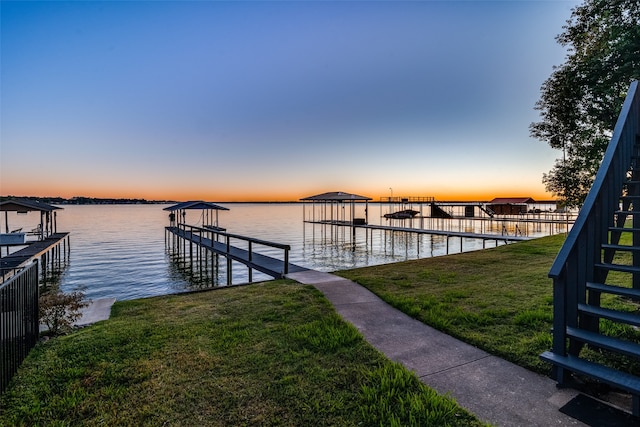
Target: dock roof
(195, 204)
(26, 205)
(335, 196)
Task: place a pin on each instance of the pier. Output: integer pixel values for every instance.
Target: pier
(188, 239)
(202, 246)
(502, 220)
(506, 238)
(51, 252)
(42, 243)
(519, 216)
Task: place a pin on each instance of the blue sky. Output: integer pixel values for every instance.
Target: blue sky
(275, 99)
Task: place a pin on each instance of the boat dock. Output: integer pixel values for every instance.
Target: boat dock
(57, 244)
(505, 238)
(462, 234)
(48, 245)
(502, 220)
(218, 243)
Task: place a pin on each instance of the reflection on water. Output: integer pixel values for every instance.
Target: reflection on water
(120, 250)
(53, 267)
(191, 276)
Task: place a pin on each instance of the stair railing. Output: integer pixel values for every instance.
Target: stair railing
(574, 264)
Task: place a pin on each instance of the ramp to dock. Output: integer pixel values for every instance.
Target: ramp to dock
(274, 267)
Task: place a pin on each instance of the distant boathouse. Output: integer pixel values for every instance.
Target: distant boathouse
(501, 220)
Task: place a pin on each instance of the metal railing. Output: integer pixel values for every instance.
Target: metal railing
(214, 234)
(575, 264)
(19, 325)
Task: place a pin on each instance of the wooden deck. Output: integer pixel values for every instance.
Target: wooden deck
(273, 267)
(32, 251)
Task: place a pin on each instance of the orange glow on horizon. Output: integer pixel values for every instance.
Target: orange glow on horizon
(291, 195)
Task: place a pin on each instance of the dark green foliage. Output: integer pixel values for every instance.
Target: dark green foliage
(58, 310)
(582, 98)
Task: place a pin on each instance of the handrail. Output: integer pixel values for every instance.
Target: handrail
(249, 240)
(238, 236)
(603, 198)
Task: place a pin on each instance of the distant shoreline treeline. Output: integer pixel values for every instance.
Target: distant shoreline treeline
(81, 200)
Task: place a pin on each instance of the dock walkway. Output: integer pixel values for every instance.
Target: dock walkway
(461, 234)
(273, 267)
(33, 250)
(483, 236)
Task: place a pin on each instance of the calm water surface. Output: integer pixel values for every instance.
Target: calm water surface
(119, 250)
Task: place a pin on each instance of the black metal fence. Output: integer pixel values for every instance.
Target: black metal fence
(19, 325)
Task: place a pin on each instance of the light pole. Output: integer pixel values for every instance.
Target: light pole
(391, 198)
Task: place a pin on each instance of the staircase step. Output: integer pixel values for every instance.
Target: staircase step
(618, 267)
(614, 344)
(615, 290)
(628, 248)
(624, 229)
(619, 379)
(606, 313)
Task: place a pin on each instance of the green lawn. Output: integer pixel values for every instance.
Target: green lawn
(278, 354)
(267, 354)
(498, 299)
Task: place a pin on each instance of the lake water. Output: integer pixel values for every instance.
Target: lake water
(119, 250)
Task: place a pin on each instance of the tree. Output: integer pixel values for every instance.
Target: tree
(58, 311)
(581, 100)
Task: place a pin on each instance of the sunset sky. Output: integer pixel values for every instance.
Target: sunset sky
(275, 100)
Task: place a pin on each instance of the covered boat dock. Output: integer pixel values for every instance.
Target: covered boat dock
(45, 238)
(47, 226)
(330, 208)
(178, 212)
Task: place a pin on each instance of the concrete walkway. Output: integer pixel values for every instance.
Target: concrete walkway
(496, 391)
